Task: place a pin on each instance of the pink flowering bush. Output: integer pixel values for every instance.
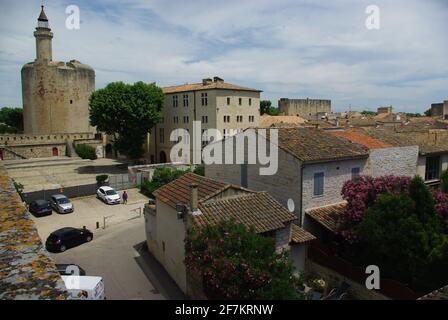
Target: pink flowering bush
(360, 195)
(441, 199)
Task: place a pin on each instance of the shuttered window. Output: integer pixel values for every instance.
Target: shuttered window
(318, 183)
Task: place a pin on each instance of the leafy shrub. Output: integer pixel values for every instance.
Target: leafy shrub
(161, 177)
(86, 151)
(237, 263)
(101, 178)
(199, 170)
(444, 181)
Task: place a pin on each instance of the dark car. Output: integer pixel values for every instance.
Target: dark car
(40, 208)
(65, 238)
(70, 269)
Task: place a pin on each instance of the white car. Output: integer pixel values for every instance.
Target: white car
(108, 195)
(84, 287)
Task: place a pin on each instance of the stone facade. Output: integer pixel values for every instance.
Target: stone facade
(228, 110)
(303, 107)
(399, 161)
(22, 146)
(55, 94)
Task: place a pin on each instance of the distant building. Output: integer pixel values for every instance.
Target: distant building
(304, 108)
(440, 110)
(387, 109)
(215, 103)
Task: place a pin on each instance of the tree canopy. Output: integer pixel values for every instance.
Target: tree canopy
(237, 263)
(11, 120)
(267, 108)
(127, 112)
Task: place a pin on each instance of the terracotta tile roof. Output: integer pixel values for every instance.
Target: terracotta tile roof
(248, 207)
(300, 236)
(178, 191)
(209, 86)
(26, 269)
(268, 121)
(327, 216)
(440, 294)
(429, 141)
(362, 139)
(259, 210)
(309, 144)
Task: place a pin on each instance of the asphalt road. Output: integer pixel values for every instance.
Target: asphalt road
(119, 255)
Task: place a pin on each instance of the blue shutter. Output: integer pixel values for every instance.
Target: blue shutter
(318, 183)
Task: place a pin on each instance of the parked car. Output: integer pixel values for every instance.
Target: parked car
(85, 287)
(65, 269)
(65, 238)
(108, 195)
(61, 204)
(40, 208)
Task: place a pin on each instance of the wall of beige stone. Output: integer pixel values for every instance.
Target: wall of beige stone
(32, 151)
(303, 107)
(400, 161)
(56, 97)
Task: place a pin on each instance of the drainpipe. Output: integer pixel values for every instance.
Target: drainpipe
(302, 214)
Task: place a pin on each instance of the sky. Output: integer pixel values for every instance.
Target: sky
(288, 48)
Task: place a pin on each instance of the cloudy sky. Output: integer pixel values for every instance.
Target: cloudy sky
(287, 48)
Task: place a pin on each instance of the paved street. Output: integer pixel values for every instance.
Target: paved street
(119, 256)
(89, 211)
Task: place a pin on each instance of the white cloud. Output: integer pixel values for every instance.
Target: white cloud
(287, 48)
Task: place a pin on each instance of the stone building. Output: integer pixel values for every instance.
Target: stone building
(440, 109)
(304, 108)
(55, 105)
(55, 94)
(215, 103)
(205, 201)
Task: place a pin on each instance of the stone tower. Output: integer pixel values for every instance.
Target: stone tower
(55, 94)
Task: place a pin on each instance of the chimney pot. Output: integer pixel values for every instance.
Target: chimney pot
(194, 197)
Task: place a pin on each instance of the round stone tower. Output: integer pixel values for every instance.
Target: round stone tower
(55, 94)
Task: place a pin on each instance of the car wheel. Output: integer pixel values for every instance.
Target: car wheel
(63, 248)
(89, 238)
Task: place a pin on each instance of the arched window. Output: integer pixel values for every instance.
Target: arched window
(55, 152)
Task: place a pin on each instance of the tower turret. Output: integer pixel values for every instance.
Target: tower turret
(43, 37)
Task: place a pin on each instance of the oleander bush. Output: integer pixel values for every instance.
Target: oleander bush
(86, 151)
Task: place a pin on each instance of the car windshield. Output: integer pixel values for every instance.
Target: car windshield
(43, 206)
(110, 192)
(63, 200)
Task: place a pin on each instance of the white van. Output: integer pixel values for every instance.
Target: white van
(84, 287)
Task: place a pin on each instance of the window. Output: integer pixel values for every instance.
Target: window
(175, 102)
(318, 183)
(204, 137)
(432, 171)
(228, 101)
(162, 135)
(250, 101)
(204, 119)
(185, 100)
(204, 99)
(186, 136)
(186, 119)
(251, 118)
(226, 133)
(243, 175)
(227, 119)
(176, 119)
(239, 118)
(355, 172)
(240, 101)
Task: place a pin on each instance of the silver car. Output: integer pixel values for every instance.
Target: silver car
(61, 204)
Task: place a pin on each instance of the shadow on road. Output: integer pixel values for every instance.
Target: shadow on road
(155, 273)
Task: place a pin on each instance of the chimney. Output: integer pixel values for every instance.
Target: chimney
(218, 79)
(206, 81)
(194, 198)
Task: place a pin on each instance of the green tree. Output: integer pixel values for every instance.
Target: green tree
(237, 263)
(161, 177)
(267, 108)
(424, 202)
(86, 151)
(127, 112)
(428, 112)
(11, 120)
(444, 181)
